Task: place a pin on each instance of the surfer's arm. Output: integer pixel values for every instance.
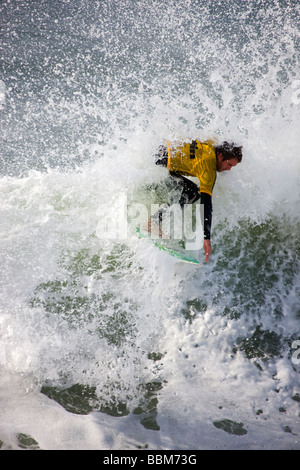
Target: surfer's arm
(206, 200)
(207, 214)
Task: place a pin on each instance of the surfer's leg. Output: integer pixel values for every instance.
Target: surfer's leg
(181, 191)
(154, 224)
(189, 190)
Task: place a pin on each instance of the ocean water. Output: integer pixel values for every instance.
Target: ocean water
(106, 342)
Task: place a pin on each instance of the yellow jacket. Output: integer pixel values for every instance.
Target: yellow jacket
(195, 159)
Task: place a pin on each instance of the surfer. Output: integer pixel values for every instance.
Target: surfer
(202, 160)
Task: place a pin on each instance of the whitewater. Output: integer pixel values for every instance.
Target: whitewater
(107, 343)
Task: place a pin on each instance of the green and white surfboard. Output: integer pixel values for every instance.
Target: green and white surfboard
(177, 253)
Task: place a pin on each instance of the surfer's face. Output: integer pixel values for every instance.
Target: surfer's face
(225, 165)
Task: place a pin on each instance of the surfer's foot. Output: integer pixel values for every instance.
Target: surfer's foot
(153, 228)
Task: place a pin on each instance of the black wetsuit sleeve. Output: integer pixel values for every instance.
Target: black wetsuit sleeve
(206, 200)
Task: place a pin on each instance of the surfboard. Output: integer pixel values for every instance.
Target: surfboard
(180, 255)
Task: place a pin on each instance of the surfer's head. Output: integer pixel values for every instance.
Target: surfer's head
(228, 155)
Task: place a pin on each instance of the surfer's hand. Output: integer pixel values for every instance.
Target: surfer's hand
(207, 249)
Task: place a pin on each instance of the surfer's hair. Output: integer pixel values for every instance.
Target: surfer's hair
(229, 150)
